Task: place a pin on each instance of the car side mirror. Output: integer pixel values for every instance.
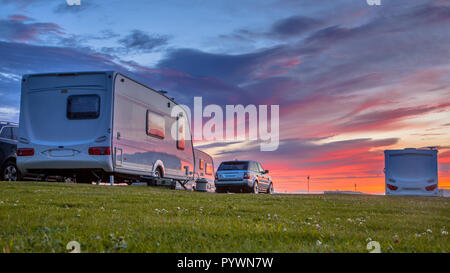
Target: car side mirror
(266, 171)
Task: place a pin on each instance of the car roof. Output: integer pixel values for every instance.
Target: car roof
(8, 123)
(231, 161)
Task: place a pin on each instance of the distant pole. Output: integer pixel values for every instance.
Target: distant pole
(355, 187)
(308, 182)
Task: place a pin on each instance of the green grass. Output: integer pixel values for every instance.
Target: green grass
(44, 217)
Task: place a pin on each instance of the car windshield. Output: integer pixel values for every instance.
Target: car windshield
(233, 166)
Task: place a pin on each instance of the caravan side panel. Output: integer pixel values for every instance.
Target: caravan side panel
(140, 150)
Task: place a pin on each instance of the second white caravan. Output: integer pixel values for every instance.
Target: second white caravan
(94, 125)
(411, 172)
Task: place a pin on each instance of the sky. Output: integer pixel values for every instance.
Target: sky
(350, 79)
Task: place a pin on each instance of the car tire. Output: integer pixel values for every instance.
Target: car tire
(255, 189)
(270, 189)
(10, 172)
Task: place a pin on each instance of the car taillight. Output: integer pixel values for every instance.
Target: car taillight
(431, 187)
(25, 152)
(100, 151)
(392, 187)
(217, 176)
(246, 176)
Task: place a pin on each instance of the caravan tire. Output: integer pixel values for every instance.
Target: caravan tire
(157, 174)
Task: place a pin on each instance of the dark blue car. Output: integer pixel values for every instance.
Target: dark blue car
(243, 176)
(8, 146)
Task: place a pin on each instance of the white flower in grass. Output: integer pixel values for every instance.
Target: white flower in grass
(284, 229)
(429, 231)
(396, 238)
(318, 243)
(444, 232)
(349, 220)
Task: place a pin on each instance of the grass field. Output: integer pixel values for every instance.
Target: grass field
(44, 217)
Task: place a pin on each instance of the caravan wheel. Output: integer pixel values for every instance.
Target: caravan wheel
(157, 173)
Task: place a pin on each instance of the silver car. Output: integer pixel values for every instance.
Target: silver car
(243, 176)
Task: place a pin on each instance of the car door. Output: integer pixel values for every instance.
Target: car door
(7, 143)
(3, 148)
(263, 177)
(253, 167)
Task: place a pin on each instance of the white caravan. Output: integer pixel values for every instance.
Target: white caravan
(411, 172)
(99, 125)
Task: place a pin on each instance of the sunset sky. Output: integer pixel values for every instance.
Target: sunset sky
(351, 80)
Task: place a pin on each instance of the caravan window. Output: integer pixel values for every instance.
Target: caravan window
(83, 107)
(209, 169)
(155, 125)
(180, 134)
(202, 164)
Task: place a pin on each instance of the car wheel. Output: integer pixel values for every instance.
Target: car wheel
(270, 189)
(255, 188)
(10, 172)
